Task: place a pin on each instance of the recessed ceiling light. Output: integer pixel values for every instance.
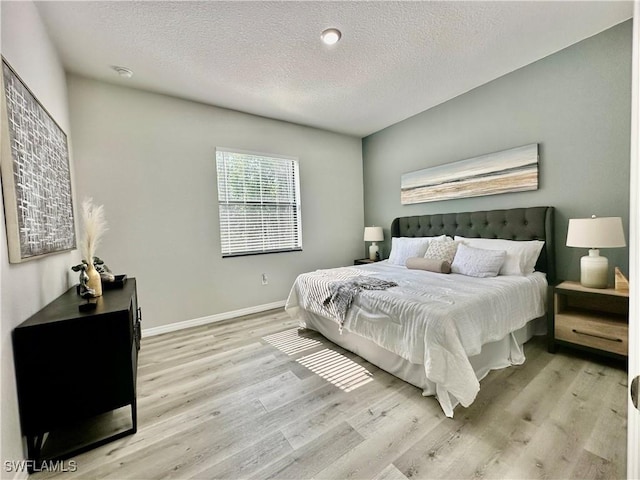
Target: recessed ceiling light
(124, 72)
(331, 36)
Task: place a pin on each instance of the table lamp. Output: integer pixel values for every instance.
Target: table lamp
(373, 234)
(594, 233)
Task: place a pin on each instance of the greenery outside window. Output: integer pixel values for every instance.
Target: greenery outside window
(259, 203)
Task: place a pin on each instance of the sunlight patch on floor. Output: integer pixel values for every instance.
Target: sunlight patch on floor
(290, 341)
(334, 367)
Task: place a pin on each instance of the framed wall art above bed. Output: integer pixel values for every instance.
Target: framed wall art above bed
(36, 178)
(512, 170)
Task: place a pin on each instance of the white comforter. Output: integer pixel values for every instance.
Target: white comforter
(432, 319)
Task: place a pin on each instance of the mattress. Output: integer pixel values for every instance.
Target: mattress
(430, 323)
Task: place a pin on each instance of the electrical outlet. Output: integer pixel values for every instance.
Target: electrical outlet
(265, 279)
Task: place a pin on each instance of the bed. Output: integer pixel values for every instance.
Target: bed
(442, 332)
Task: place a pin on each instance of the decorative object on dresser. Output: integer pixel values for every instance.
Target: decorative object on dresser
(72, 367)
(591, 319)
(513, 170)
(36, 179)
(94, 227)
(595, 233)
(106, 275)
(374, 235)
(107, 280)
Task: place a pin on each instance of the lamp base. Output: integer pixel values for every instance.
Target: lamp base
(594, 270)
(373, 250)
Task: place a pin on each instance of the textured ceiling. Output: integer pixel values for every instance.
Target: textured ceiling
(395, 59)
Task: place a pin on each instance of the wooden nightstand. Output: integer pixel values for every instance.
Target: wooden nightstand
(364, 261)
(592, 319)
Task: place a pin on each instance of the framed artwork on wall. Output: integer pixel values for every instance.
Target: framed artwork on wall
(36, 179)
(513, 170)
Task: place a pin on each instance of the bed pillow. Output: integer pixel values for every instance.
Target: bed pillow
(442, 248)
(521, 255)
(407, 247)
(477, 262)
(429, 264)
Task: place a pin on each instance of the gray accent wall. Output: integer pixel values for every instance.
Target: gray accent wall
(150, 160)
(576, 104)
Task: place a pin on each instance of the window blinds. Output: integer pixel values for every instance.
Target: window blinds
(259, 202)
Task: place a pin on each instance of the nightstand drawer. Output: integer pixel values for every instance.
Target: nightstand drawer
(607, 335)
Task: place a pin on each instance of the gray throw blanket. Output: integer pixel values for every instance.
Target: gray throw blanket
(342, 293)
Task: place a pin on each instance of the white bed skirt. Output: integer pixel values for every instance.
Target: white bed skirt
(494, 355)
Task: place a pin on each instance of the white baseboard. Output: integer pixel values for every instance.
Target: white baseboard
(196, 322)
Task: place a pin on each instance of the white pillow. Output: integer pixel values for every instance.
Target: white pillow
(521, 255)
(407, 247)
(442, 248)
(477, 262)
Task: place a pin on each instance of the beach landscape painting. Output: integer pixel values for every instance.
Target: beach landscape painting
(513, 170)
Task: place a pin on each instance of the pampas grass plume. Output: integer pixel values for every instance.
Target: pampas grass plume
(94, 227)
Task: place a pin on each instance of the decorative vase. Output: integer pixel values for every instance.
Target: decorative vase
(94, 282)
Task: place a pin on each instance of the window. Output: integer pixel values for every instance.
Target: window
(259, 201)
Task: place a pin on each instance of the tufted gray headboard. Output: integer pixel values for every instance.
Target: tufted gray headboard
(532, 223)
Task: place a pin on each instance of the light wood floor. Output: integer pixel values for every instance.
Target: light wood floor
(239, 399)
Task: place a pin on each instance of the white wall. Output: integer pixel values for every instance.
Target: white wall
(633, 423)
(27, 287)
(150, 160)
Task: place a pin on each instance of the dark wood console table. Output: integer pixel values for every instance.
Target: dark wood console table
(73, 366)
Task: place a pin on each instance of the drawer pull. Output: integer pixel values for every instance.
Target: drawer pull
(604, 337)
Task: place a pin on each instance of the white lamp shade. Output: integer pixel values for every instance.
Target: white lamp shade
(373, 234)
(596, 232)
